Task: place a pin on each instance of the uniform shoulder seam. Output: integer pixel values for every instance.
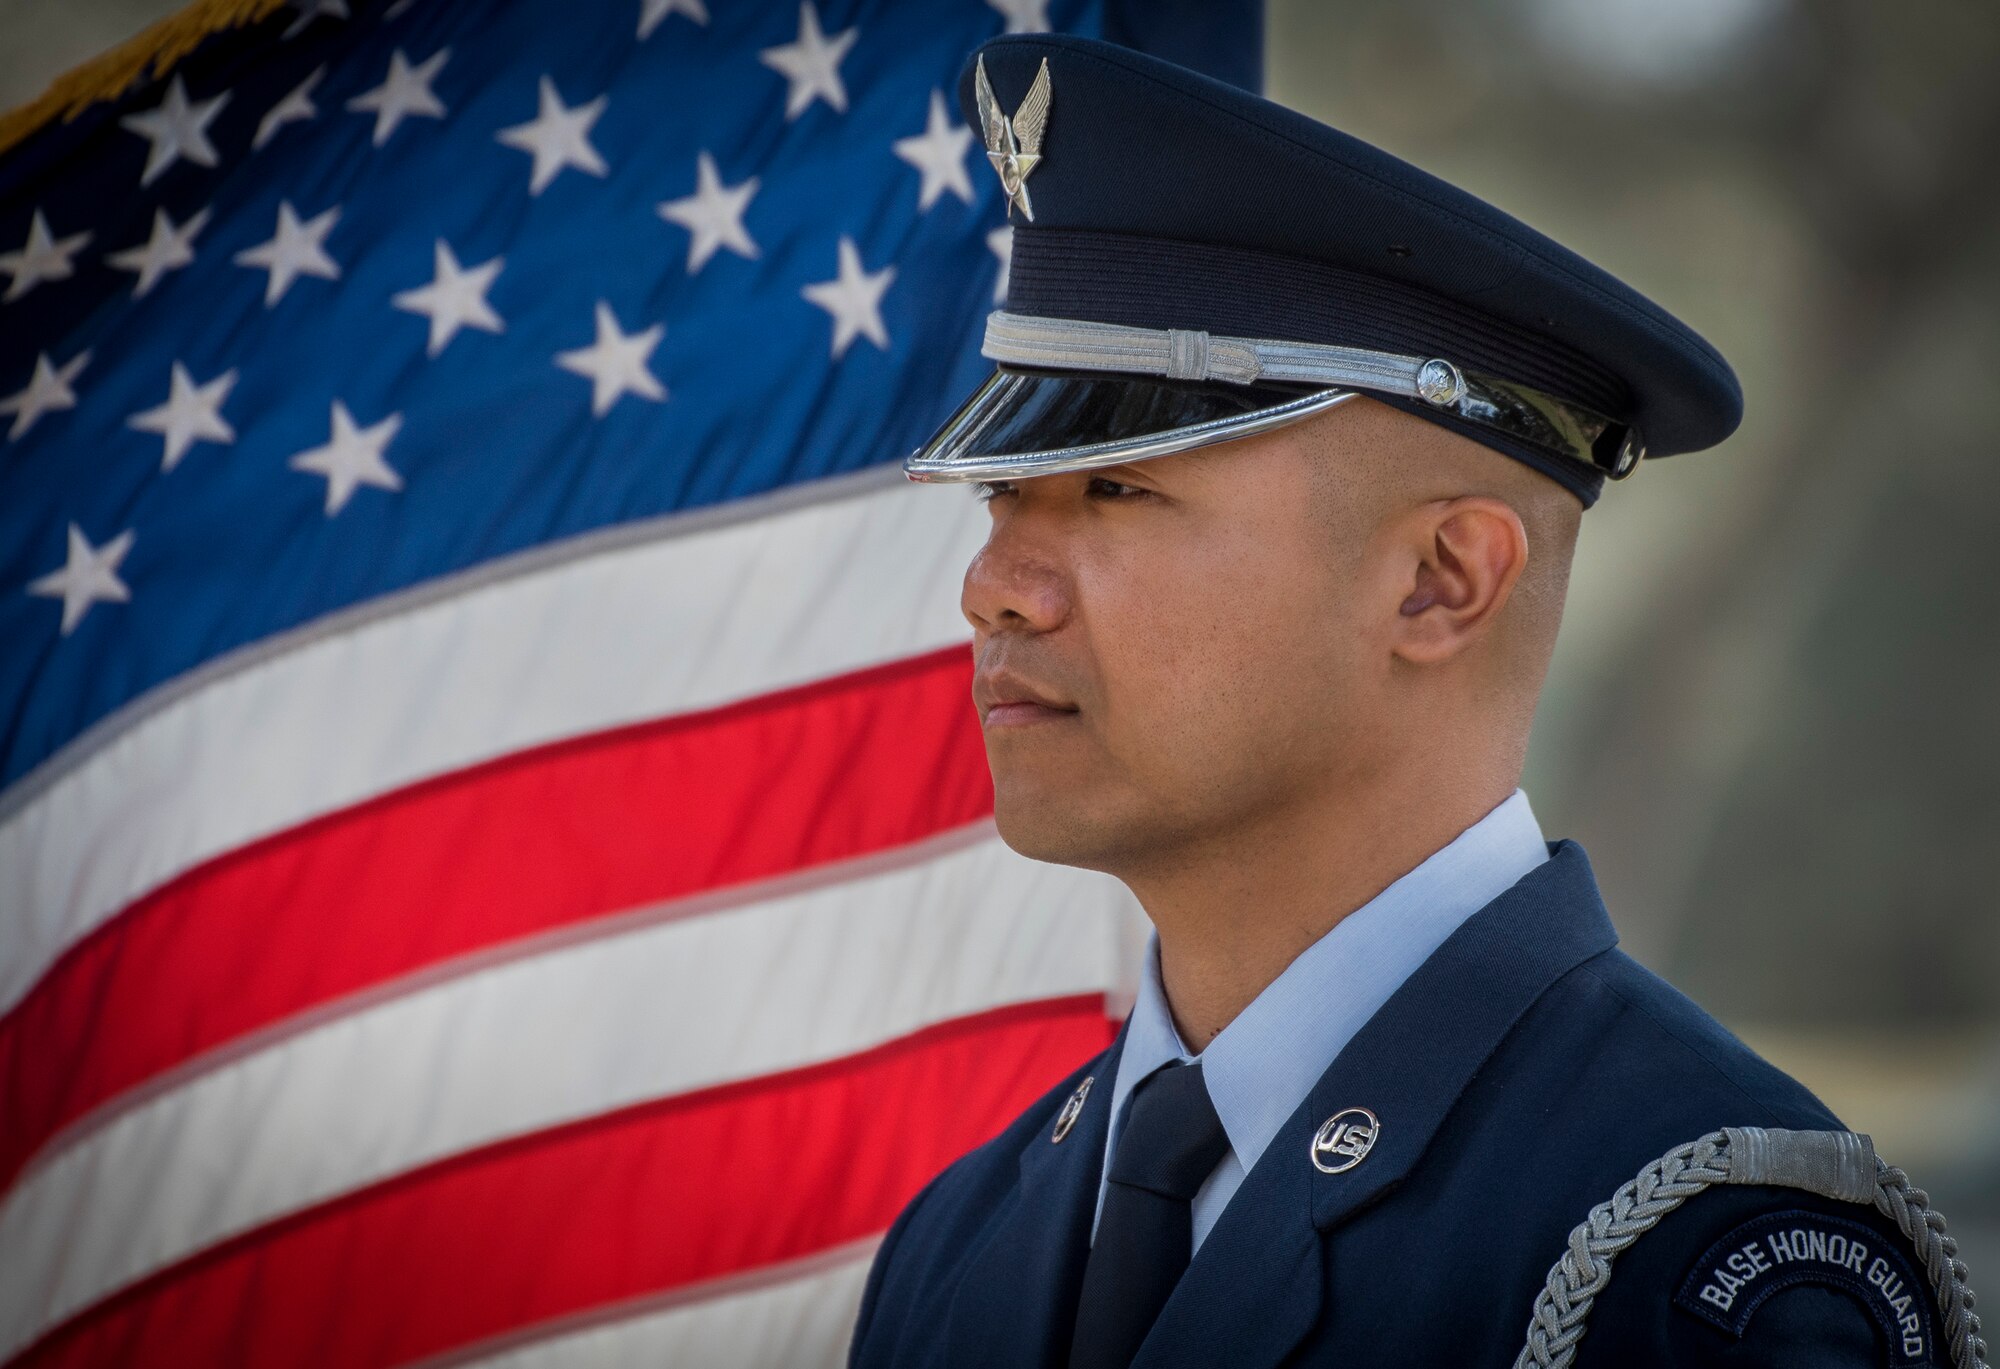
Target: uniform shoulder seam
(1764, 1110)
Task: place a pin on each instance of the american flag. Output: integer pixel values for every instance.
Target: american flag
(495, 852)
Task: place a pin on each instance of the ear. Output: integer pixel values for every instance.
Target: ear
(1466, 556)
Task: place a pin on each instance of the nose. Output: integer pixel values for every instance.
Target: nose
(1016, 583)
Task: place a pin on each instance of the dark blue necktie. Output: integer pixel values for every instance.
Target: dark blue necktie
(1171, 1141)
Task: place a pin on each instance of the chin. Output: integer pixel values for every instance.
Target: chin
(1041, 830)
(1059, 830)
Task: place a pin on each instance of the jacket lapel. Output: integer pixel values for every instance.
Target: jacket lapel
(1255, 1288)
(1016, 1304)
(1416, 1056)
(1253, 1291)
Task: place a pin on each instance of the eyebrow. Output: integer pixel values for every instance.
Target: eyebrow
(1151, 462)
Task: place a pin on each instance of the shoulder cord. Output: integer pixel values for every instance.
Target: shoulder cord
(1833, 1164)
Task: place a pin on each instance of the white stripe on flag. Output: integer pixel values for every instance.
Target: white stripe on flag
(640, 631)
(801, 1322)
(811, 971)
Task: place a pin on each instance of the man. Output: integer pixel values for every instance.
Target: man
(1286, 459)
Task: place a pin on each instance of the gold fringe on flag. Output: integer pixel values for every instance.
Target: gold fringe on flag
(111, 74)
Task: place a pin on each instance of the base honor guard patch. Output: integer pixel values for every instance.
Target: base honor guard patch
(1781, 1250)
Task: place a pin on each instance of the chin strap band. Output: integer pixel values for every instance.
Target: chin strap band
(1834, 1164)
(1539, 419)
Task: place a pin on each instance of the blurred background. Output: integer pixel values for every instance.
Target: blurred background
(1772, 715)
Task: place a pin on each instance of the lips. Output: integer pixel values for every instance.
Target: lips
(1021, 714)
(1007, 699)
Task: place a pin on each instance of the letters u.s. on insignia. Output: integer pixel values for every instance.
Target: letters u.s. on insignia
(1344, 1140)
(1014, 146)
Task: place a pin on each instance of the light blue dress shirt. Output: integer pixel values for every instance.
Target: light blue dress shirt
(1261, 1066)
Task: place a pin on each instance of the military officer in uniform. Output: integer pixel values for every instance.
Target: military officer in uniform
(1286, 454)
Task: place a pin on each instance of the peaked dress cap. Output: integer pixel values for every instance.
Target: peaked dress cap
(1168, 202)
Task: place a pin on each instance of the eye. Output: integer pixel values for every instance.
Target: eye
(987, 490)
(1103, 487)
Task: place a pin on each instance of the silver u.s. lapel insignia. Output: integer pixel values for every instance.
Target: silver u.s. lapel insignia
(1072, 1109)
(1014, 146)
(1344, 1140)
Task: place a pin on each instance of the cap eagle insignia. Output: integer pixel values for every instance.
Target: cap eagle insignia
(1014, 146)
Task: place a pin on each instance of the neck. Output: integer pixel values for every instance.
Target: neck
(1235, 908)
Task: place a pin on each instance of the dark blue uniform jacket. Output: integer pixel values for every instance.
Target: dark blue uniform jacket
(1523, 1073)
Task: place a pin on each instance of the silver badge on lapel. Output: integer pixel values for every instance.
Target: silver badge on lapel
(1344, 1140)
(1071, 1110)
(1014, 146)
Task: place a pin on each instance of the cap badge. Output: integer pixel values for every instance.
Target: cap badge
(1071, 1110)
(1014, 146)
(1344, 1140)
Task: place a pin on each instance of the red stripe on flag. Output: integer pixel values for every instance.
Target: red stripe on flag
(522, 846)
(663, 1195)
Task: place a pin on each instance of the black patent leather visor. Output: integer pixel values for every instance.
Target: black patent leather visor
(1026, 422)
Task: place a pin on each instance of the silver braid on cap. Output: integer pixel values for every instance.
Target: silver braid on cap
(1187, 354)
(1528, 415)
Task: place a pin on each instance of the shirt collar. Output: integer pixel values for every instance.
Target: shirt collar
(1263, 1064)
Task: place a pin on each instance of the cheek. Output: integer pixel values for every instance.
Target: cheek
(1222, 654)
